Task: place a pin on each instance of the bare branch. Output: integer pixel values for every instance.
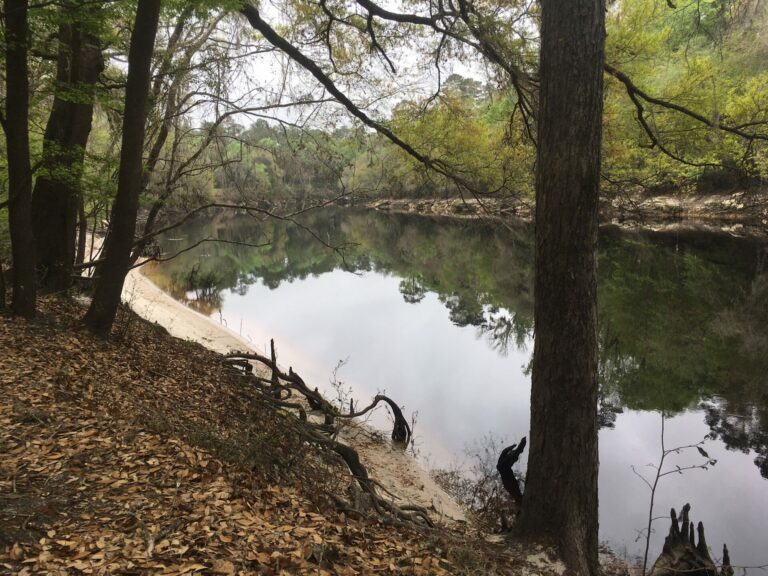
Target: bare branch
(195, 245)
(271, 35)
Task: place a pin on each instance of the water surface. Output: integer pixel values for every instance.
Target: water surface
(439, 314)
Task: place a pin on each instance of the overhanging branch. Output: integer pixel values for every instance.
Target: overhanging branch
(636, 93)
(272, 36)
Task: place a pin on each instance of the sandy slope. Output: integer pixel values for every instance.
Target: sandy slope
(152, 304)
(397, 472)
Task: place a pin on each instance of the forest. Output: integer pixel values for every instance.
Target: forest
(126, 120)
(215, 133)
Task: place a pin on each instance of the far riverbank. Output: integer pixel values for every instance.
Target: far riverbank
(739, 212)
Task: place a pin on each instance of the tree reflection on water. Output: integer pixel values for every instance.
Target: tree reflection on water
(683, 319)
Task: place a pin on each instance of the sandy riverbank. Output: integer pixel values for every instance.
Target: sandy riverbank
(397, 472)
(151, 303)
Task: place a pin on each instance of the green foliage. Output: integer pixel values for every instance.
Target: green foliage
(703, 55)
(282, 163)
(468, 135)
(697, 55)
(700, 55)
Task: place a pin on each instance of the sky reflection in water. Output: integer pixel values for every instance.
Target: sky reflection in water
(403, 338)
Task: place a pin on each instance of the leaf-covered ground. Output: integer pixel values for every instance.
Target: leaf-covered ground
(145, 455)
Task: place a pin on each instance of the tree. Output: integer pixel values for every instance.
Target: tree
(560, 500)
(117, 251)
(16, 126)
(57, 197)
(560, 504)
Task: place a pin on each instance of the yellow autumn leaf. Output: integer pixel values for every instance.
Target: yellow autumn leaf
(223, 567)
(17, 552)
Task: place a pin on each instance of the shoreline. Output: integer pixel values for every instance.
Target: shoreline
(736, 213)
(397, 472)
(150, 302)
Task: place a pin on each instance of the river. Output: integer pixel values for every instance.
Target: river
(439, 314)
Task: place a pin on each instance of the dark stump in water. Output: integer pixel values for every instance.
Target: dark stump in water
(507, 459)
(685, 551)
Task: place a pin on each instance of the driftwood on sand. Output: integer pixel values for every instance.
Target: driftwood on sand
(279, 390)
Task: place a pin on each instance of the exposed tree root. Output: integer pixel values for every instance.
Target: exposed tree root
(281, 386)
(507, 459)
(682, 554)
(401, 431)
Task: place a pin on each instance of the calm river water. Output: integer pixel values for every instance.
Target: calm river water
(439, 314)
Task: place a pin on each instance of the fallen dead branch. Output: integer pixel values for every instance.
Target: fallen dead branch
(324, 434)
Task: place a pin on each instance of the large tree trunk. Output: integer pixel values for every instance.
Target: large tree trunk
(57, 192)
(117, 251)
(19, 169)
(2, 285)
(82, 233)
(560, 501)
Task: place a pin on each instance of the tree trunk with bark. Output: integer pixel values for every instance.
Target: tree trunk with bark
(117, 251)
(57, 193)
(560, 502)
(16, 124)
(2, 285)
(82, 233)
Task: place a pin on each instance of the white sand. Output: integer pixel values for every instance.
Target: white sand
(399, 473)
(151, 303)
